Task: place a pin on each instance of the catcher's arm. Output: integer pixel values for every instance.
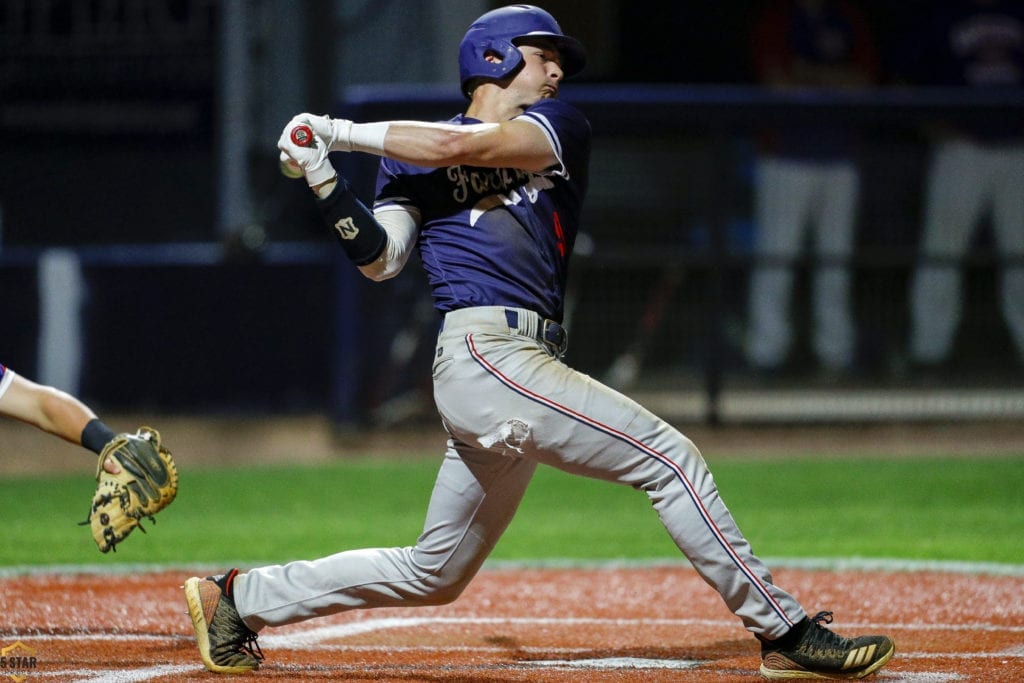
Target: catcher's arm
(145, 483)
(56, 412)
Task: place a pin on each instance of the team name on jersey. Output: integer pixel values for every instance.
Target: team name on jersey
(468, 183)
(491, 189)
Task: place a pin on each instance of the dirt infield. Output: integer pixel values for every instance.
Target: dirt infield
(556, 625)
(606, 624)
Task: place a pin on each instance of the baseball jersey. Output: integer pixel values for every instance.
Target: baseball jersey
(6, 377)
(836, 34)
(498, 237)
(979, 44)
(973, 44)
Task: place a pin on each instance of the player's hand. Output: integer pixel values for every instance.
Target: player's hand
(335, 132)
(111, 465)
(312, 159)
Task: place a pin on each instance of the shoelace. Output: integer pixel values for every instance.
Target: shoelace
(822, 639)
(241, 639)
(822, 618)
(250, 646)
(245, 639)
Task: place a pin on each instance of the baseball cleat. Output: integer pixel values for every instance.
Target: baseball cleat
(226, 644)
(812, 651)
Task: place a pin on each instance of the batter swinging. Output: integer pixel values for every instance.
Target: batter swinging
(492, 199)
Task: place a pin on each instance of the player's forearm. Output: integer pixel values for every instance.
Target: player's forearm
(436, 145)
(63, 415)
(358, 232)
(509, 144)
(47, 408)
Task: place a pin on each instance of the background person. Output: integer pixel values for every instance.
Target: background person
(807, 182)
(974, 171)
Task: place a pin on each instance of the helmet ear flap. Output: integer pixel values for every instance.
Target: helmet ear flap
(490, 58)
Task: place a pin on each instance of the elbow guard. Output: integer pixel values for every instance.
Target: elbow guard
(359, 233)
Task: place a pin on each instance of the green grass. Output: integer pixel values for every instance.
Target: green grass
(927, 509)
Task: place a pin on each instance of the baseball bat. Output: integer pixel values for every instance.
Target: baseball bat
(626, 367)
(419, 328)
(301, 135)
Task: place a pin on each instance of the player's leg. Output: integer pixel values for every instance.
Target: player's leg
(537, 407)
(954, 200)
(1008, 224)
(782, 195)
(540, 408)
(834, 330)
(475, 496)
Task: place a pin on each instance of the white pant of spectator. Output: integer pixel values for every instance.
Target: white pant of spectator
(965, 181)
(792, 198)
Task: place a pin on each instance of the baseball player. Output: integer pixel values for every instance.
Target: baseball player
(492, 200)
(974, 171)
(136, 476)
(807, 181)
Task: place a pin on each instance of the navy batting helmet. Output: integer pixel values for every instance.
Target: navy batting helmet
(499, 32)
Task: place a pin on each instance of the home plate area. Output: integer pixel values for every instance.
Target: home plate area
(646, 623)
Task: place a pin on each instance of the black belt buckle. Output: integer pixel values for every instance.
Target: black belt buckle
(555, 336)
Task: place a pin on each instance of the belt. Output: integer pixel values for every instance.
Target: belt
(511, 321)
(543, 330)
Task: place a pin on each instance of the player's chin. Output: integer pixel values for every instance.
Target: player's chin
(546, 94)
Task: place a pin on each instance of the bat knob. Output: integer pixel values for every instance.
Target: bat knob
(302, 135)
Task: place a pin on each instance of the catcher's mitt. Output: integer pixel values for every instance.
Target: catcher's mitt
(146, 484)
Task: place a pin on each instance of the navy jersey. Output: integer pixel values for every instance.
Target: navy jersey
(973, 44)
(499, 237)
(836, 34)
(979, 44)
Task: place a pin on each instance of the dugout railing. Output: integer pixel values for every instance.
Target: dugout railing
(657, 299)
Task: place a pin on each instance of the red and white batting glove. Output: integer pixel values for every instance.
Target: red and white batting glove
(335, 132)
(342, 135)
(311, 157)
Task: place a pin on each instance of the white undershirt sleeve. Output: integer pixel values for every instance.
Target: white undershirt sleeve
(401, 223)
(5, 381)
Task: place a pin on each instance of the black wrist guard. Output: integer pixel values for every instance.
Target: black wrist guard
(96, 435)
(359, 233)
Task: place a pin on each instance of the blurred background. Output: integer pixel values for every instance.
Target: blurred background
(806, 212)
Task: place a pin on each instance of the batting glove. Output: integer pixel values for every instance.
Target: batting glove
(335, 132)
(312, 159)
(342, 135)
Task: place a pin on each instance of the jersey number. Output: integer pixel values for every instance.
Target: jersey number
(559, 234)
